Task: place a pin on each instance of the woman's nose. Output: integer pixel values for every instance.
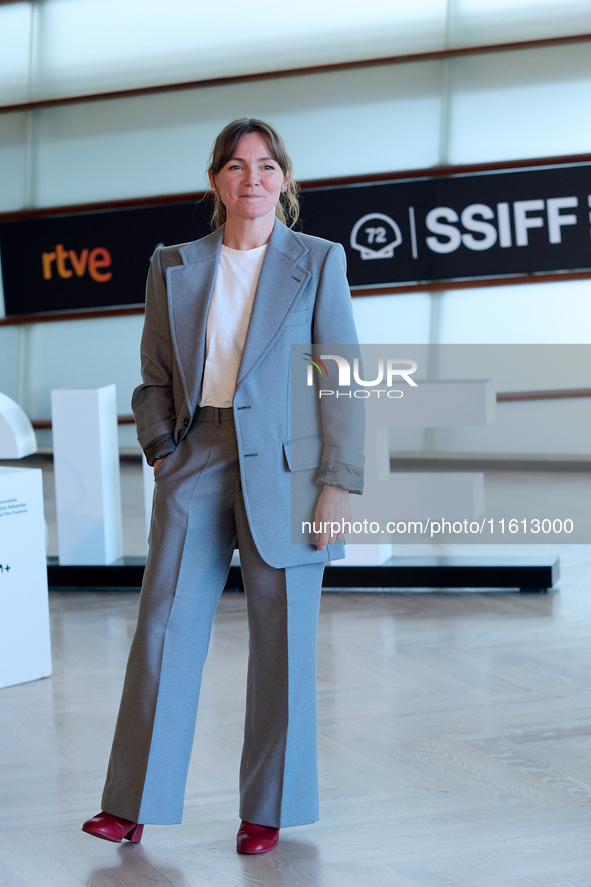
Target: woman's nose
(252, 176)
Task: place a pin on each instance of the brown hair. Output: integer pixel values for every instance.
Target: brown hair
(288, 205)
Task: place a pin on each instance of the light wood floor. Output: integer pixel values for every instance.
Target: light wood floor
(455, 748)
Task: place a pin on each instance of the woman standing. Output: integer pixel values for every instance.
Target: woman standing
(214, 418)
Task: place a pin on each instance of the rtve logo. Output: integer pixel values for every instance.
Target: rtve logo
(87, 261)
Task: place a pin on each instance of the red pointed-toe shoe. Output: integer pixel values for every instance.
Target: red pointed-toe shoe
(113, 828)
(253, 838)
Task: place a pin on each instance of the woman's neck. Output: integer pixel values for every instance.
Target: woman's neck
(245, 234)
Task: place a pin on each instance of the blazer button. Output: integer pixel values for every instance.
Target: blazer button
(186, 423)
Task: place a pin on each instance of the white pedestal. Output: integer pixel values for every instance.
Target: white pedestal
(17, 437)
(87, 476)
(364, 555)
(421, 495)
(25, 651)
(439, 404)
(416, 496)
(148, 475)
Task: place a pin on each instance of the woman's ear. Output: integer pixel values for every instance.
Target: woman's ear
(212, 183)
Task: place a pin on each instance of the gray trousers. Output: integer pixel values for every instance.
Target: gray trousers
(198, 515)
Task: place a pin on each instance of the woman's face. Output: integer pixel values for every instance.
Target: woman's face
(250, 183)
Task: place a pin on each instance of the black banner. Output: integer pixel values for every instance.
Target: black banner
(461, 227)
(467, 226)
(91, 259)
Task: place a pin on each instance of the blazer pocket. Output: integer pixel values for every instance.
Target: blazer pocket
(300, 316)
(303, 452)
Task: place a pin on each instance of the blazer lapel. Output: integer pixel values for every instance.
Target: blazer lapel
(190, 288)
(280, 283)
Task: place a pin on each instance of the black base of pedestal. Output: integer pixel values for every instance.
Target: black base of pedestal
(127, 572)
(522, 573)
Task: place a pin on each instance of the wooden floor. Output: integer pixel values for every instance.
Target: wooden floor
(455, 748)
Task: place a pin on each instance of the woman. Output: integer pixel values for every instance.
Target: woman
(213, 417)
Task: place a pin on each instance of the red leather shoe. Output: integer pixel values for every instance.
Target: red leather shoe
(113, 828)
(253, 838)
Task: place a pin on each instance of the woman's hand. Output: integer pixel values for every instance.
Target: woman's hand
(157, 463)
(333, 507)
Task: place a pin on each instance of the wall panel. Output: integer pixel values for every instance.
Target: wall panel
(545, 313)
(13, 161)
(79, 354)
(391, 319)
(335, 124)
(9, 361)
(543, 428)
(15, 41)
(509, 105)
(502, 21)
(100, 45)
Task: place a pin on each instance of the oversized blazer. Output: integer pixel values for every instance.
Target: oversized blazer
(302, 298)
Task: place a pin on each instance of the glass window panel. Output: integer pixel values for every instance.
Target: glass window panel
(2, 303)
(81, 353)
(544, 427)
(344, 123)
(91, 45)
(8, 361)
(393, 319)
(504, 21)
(15, 25)
(13, 135)
(544, 313)
(510, 105)
(404, 318)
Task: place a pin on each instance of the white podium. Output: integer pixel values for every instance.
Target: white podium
(25, 650)
(17, 437)
(87, 476)
(418, 495)
(148, 477)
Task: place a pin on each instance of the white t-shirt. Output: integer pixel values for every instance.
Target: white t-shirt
(227, 322)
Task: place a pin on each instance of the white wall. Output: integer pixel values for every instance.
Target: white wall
(55, 47)
(35, 358)
(160, 144)
(491, 107)
(519, 104)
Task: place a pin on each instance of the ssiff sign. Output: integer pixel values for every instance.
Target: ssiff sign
(463, 227)
(403, 232)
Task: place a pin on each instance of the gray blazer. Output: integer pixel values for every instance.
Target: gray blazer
(302, 298)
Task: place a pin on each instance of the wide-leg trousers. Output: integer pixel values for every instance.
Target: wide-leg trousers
(197, 518)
